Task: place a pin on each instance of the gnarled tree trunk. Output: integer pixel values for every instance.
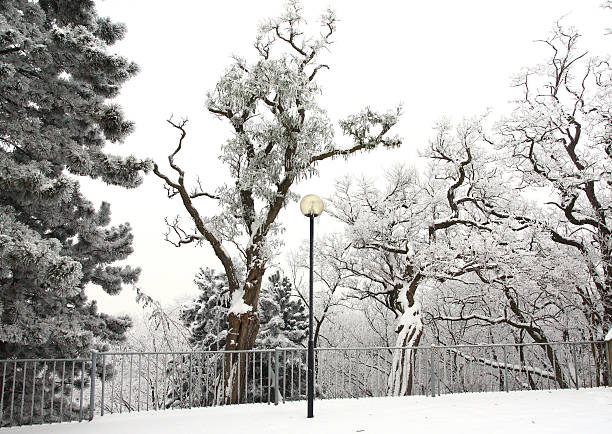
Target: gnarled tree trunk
(243, 326)
(409, 332)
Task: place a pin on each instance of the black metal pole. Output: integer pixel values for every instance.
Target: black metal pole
(310, 343)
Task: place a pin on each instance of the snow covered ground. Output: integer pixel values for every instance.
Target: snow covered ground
(557, 411)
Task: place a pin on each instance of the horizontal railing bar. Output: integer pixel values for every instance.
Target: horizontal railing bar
(528, 344)
(146, 353)
(427, 347)
(421, 347)
(44, 360)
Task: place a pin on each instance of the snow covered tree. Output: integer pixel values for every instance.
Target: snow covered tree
(553, 284)
(57, 80)
(283, 323)
(283, 317)
(206, 316)
(280, 133)
(205, 320)
(559, 141)
(414, 231)
(549, 279)
(529, 296)
(55, 118)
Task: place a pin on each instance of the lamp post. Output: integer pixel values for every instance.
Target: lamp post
(311, 206)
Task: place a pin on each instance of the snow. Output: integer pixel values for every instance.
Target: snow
(608, 336)
(555, 411)
(238, 306)
(512, 366)
(66, 76)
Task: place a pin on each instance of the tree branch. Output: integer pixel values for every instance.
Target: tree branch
(206, 233)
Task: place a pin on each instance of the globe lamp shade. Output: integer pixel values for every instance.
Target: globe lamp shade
(311, 205)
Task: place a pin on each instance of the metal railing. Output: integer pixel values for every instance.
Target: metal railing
(435, 370)
(63, 390)
(40, 391)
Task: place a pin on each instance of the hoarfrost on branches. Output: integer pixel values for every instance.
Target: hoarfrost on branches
(58, 77)
(279, 134)
(418, 231)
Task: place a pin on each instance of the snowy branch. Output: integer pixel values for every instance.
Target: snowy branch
(359, 128)
(181, 236)
(507, 366)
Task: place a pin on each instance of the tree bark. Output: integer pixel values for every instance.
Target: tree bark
(409, 330)
(244, 327)
(242, 332)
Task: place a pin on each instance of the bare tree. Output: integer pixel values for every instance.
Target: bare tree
(529, 296)
(559, 140)
(329, 284)
(551, 282)
(413, 232)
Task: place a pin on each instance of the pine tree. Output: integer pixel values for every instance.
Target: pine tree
(57, 81)
(206, 319)
(282, 316)
(206, 316)
(283, 322)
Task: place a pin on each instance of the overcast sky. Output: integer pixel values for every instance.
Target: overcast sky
(438, 58)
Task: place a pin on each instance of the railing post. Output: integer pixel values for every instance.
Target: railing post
(103, 385)
(92, 388)
(608, 351)
(573, 349)
(505, 369)
(191, 381)
(432, 372)
(438, 358)
(276, 382)
(269, 374)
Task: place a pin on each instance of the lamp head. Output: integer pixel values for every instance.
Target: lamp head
(311, 205)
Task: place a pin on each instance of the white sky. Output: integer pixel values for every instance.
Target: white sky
(439, 58)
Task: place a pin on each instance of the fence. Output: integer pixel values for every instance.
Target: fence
(62, 390)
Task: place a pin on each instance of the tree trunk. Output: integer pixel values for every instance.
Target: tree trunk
(242, 332)
(606, 296)
(244, 327)
(409, 332)
(554, 362)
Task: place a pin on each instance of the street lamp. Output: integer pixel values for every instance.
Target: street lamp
(311, 206)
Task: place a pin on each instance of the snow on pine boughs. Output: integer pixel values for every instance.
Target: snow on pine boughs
(206, 316)
(57, 77)
(57, 81)
(282, 315)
